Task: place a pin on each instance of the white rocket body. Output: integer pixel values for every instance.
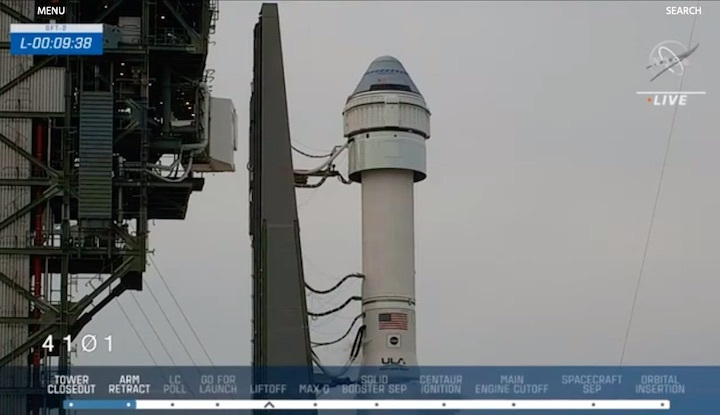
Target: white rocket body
(387, 123)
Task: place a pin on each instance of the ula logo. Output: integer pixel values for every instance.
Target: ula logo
(389, 361)
(671, 57)
(51, 10)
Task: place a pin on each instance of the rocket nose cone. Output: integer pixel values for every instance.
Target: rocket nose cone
(386, 74)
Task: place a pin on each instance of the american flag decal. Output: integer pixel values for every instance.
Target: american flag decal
(393, 321)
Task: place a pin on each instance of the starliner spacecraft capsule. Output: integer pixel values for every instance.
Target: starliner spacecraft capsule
(387, 123)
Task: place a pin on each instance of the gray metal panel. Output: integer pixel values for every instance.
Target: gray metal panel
(24, 7)
(47, 90)
(280, 320)
(17, 98)
(287, 320)
(44, 91)
(96, 147)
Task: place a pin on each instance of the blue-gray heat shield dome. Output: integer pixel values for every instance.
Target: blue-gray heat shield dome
(386, 74)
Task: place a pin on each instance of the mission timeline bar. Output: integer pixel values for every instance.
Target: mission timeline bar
(472, 404)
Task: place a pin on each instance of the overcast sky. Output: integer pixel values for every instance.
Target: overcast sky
(543, 169)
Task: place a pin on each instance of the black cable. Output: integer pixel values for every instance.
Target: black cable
(354, 353)
(137, 333)
(654, 211)
(341, 338)
(177, 304)
(343, 180)
(172, 326)
(152, 327)
(147, 349)
(312, 156)
(336, 309)
(357, 344)
(169, 322)
(316, 184)
(192, 330)
(129, 320)
(336, 286)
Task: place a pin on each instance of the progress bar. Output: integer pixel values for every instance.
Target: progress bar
(368, 404)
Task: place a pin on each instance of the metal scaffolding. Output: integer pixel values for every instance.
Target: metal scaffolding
(79, 139)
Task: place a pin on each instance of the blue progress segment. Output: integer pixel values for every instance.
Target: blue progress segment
(98, 404)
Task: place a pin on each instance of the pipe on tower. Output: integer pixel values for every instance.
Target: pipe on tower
(167, 99)
(40, 133)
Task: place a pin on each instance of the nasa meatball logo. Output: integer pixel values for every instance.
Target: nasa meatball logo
(393, 340)
(669, 56)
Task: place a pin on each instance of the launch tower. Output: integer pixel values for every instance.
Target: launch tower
(82, 147)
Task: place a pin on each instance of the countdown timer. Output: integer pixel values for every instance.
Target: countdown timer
(56, 39)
